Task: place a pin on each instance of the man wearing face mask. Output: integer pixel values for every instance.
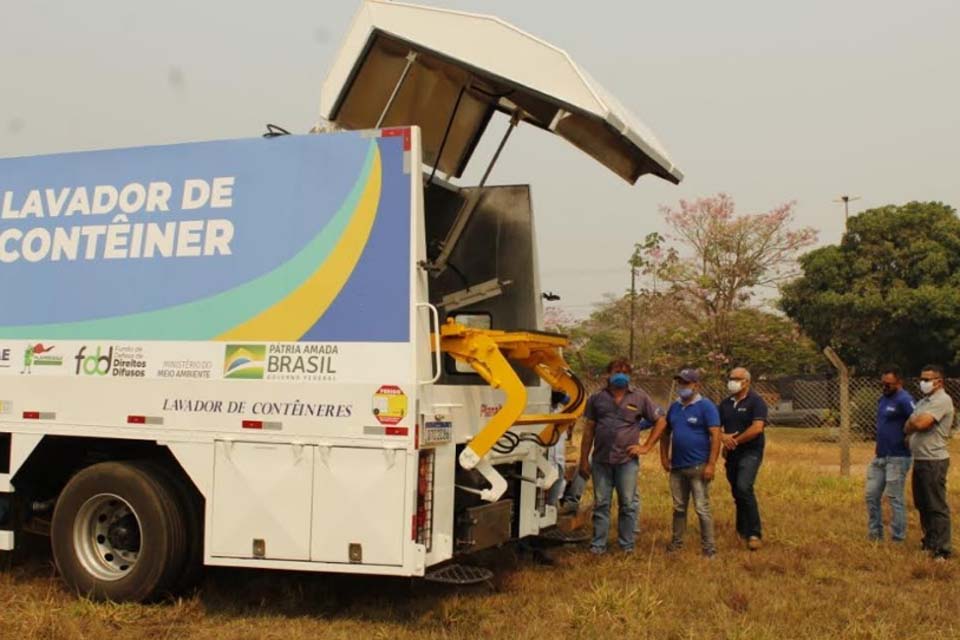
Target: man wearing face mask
(690, 454)
(928, 431)
(743, 415)
(612, 431)
(887, 474)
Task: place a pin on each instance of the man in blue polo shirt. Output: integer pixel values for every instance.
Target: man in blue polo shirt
(743, 416)
(690, 455)
(887, 473)
(612, 431)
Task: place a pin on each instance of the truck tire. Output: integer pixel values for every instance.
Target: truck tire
(191, 509)
(118, 533)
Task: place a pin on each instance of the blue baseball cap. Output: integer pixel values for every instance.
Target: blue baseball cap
(688, 375)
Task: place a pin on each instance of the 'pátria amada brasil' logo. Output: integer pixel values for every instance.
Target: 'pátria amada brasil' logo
(244, 361)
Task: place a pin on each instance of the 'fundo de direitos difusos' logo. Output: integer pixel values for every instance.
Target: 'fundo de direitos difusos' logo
(127, 362)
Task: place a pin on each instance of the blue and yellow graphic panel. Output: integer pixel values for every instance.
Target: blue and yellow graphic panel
(297, 238)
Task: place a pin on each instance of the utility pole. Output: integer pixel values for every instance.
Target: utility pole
(846, 200)
(634, 264)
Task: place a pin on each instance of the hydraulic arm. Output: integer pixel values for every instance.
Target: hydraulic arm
(489, 352)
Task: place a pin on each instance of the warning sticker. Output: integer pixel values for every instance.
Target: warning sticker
(389, 404)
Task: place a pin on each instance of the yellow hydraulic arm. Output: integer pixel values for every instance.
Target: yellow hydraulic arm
(488, 352)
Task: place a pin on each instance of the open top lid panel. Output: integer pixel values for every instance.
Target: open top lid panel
(449, 71)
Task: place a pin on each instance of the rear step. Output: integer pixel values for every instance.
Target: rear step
(459, 574)
(555, 534)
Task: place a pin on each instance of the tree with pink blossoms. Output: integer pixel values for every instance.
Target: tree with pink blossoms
(722, 258)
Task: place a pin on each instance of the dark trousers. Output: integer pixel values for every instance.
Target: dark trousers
(742, 469)
(930, 499)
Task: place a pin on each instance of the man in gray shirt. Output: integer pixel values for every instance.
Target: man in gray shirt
(928, 432)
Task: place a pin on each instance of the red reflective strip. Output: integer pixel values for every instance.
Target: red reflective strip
(413, 527)
(416, 436)
(31, 415)
(252, 424)
(136, 419)
(399, 131)
(396, 431)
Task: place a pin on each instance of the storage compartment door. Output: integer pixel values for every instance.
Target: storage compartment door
(261, 500)
(358, 506)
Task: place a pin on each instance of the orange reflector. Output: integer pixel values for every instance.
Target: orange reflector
(31, 415)
(253, 424)
(396, 431)
(136, 419)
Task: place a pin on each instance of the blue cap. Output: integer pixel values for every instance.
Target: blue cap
(688, 375)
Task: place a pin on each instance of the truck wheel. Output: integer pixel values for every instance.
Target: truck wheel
(117, 533)
(190, 574)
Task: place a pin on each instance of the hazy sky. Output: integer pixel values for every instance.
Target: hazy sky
(767, 101)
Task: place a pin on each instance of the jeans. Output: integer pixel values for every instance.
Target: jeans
(623, 477)
(574, 490)
(930, 499)
(683, 482)
(742, 468)
(887, 476)
(557, 488)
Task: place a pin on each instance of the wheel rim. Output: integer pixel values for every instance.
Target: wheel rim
(107, 537)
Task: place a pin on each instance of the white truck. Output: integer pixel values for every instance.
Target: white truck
(308, 352)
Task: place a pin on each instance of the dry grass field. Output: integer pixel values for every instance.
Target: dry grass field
(817, 577)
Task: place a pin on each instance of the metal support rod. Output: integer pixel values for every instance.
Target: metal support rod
(466, 211)
(446, 133)
(411, 56)
(514, 121)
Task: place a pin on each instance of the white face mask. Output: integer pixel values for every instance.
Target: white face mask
(734, 386)
(926, 387)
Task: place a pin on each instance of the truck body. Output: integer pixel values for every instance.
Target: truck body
(305, 352)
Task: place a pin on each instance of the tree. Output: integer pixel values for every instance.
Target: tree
(724, 257)
(889, 293)
(668, 338)
(557, 319)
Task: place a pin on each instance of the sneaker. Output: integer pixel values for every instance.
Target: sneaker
(941, 556)
(709, 553)
(754, 543)
(674, 546)
(597, 551)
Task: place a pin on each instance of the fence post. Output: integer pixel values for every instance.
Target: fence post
(844, 409)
